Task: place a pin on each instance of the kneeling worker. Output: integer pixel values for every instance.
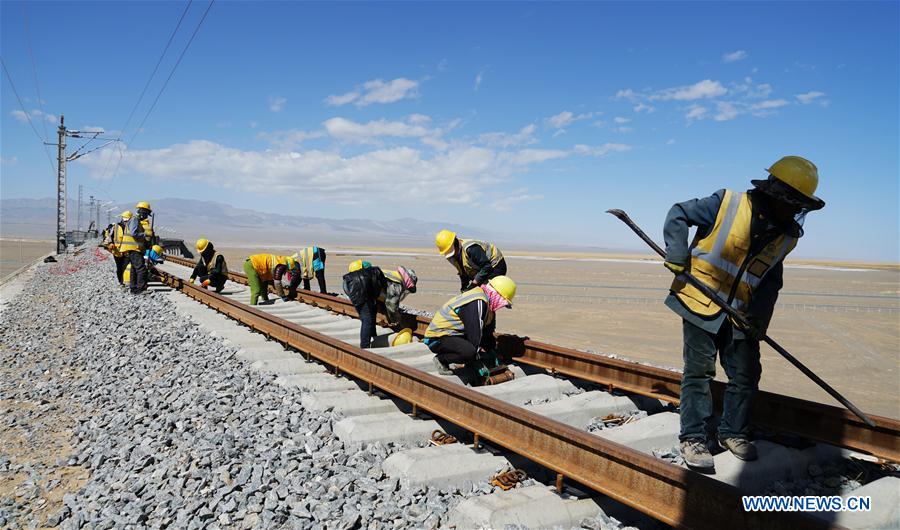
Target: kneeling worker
(263, 269)
(211, 268)
(464, 327)
(741, 242)
(475, 261)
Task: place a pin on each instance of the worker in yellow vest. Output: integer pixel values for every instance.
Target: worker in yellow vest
(263, 270)
(118, 256)
(475, 261)
(211, 268)
(312, 263)
(463, 327)
(133, 243)
(741, 241)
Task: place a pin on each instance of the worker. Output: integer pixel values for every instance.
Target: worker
(152, 257)
(132, 245)
(312, 263)
(464, 327)
(211, 268)
(147, 224)
(263, 270)
(363, 284)
(738, 251)
(118, 256)
(383, 289)
(475, 261)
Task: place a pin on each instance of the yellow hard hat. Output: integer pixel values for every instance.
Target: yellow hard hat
(444, 241)
(159, 250)
(798, 173)
(355, 265)
(505, 287)
(201, 244)
(404, 336)
(126, 215)
(143, 204)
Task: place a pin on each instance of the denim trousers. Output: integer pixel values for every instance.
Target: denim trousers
(740, 359)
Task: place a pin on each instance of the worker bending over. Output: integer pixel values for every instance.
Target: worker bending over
(738, 250)
(312, 263)
(211, 268)
(464, 326)
(475, 261)
(265, 269)
(369, 287)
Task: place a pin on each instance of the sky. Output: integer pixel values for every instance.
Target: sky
(525, 118)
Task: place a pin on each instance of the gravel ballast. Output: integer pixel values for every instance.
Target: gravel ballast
(119, 411)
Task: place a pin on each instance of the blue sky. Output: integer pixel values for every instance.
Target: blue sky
(527, 117)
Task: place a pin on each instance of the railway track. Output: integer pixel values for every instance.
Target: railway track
(550, 435)
(775, 412)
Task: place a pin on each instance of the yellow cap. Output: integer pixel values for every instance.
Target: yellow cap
(404, 336)
(444, 241)
(126, 215)
(798, 173)
(201, 244)
(505, 287)
(159, 250)
(143, 204)
(355, 265)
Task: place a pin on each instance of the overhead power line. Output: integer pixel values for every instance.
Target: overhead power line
(25, 112)
(37, 85)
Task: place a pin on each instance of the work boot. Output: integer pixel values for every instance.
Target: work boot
(696, 454)
(740, 447)
(442, 368)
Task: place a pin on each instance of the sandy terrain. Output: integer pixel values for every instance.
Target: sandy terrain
(15, 253)
(844, 324)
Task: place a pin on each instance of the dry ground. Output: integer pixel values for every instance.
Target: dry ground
(845, 325)
(16, 253)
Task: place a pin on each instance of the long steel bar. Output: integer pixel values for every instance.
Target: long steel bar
(809, 419)
(671, 494)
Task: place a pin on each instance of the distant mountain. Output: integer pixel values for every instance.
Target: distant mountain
(189, 219)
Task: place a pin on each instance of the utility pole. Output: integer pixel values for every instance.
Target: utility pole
(80, 190)
(61, 196)
(91, 214)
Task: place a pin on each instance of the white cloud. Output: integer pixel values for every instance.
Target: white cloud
(696, 112)
(601, 150)
(726, 111)
(525, 157)
(670, 141)
(734, 56)
(93, 129)
(620, 120)
(643, 107)
(9, 161)
(505, 202)
(525, 136)
(353, 132)
(377, 91)
(566, 118)
(277, 103)
(35, 114)
(479, 77)
(289, 139)
(418, 119)
(628, 94)
(770, 104)
(813, 97)
(699, 90)
(623, 129)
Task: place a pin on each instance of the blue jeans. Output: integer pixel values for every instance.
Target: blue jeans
(367, 314)
(740, 358)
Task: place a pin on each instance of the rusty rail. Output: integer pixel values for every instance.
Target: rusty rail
(671, 494)
(776, 412)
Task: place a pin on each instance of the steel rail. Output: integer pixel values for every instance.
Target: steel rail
(673, 495)
(784, 414)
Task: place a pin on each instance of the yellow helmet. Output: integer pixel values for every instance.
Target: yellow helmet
(798, 173)
(143, 204)
(505, 287)
(126, 215)
(201, 244)
(444, 241)
(159, 250)
(404, 336)
(355, 265)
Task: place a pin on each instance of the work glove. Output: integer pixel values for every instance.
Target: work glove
(205, 284)
(191, 280)
(674, 267)
(756, 328)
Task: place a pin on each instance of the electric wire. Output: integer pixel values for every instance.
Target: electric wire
(37, 85)
(25, 112)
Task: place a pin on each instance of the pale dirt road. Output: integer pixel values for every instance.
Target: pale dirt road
(845, 325)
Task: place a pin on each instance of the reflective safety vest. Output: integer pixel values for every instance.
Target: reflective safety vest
(212, 263)
(468, 270)
(446, 321)
(148, 232)
(307, 264)
(723, 262)
(265, 264)
(127, 242)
